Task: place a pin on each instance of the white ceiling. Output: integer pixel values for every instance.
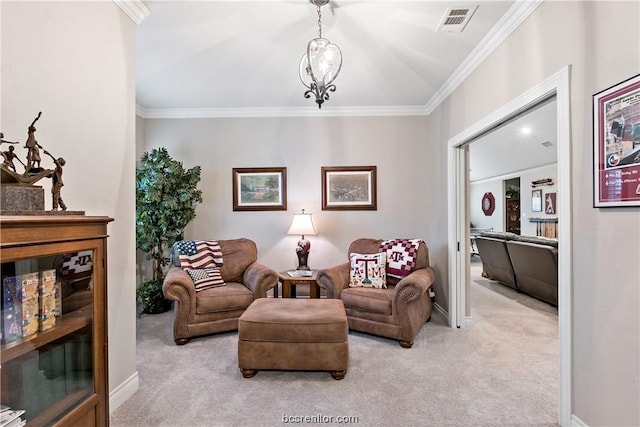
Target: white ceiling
(209, 58)
(212, 58)
(508, 149)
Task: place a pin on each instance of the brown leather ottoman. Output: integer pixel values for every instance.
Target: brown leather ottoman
(294, 335)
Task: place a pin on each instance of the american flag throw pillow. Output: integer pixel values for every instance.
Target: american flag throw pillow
(206, 278)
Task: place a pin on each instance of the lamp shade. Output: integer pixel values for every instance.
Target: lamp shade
(302, 225)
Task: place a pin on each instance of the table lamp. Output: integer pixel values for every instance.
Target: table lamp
(302, 224)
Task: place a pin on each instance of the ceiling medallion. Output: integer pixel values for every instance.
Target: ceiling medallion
(321, 63)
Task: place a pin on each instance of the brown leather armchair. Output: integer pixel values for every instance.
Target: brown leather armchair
(397, 312)
(217, 309)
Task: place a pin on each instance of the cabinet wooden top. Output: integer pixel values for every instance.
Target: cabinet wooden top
(29, 230)
(27, 220)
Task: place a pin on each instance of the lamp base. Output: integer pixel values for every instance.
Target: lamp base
(302, 250)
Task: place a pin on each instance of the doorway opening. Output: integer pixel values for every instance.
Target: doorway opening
(459, 252)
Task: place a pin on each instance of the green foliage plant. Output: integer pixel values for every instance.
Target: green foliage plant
(151, 297)
(166, 199)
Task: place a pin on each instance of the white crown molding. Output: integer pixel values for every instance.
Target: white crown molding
(189, 113)
(506, 25)
(135, 9)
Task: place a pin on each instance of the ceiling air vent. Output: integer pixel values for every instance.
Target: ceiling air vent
(546, 143)
(455, 19)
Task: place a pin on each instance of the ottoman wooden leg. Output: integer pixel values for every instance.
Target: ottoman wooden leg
(338, 375)
(248, 373)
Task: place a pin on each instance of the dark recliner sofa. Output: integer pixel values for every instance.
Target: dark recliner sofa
(492, 248)
(530, 265)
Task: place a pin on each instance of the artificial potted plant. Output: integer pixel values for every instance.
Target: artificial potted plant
(166, 198)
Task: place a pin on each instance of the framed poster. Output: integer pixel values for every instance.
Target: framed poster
(259, 189)
(349, 188)
(616, 145)
(536, 200)
(550, 203)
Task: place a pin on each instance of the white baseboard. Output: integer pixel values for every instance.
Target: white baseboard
(441, 311)
(577, 422)
(468, 322)
(123, 392)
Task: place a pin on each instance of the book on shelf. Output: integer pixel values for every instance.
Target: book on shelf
(46, 300)
(29, 298)
(11, 310)
(300, 273)
(11, 418)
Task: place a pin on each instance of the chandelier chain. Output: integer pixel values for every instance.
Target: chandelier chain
(319, 23)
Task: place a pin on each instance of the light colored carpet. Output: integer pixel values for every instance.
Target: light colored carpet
(501, 372)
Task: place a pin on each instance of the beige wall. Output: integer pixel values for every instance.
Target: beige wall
(396, 145)
(602, 50)
(496, 186)
(75, 62)
(84, 86)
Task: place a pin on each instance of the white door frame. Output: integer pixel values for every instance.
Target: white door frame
(558, 84)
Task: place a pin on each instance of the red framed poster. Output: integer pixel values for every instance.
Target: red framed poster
(616, 145)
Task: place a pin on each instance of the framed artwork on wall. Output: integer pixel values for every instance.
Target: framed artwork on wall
(616, 145)
(536, 200)
(488, 204)
(259, 189)
(349, 188)
(550, 203)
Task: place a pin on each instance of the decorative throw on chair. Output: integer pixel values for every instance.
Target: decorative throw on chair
(202, 260)
(401, 256)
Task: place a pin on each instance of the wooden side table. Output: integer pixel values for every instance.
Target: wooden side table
(289, 285)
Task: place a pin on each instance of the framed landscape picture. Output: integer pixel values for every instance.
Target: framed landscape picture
(259, 189)
(616, 145)
(349, 188)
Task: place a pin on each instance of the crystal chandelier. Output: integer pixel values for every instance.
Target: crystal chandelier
(321, 63)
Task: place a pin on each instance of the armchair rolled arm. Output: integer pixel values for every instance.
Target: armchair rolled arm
(178, 286)
(259, 278)
(412, 287)
(334, 279)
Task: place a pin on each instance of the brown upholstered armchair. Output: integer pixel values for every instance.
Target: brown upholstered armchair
(397, 312)
(217, 309)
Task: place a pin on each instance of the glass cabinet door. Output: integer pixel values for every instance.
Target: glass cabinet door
(47, 334)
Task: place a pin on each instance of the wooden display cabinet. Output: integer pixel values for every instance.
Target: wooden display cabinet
(58, 376)
(512, 216)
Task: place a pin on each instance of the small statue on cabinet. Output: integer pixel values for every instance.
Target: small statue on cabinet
(33, 155)
(9, 155)
(56, 182)
(20, 195)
